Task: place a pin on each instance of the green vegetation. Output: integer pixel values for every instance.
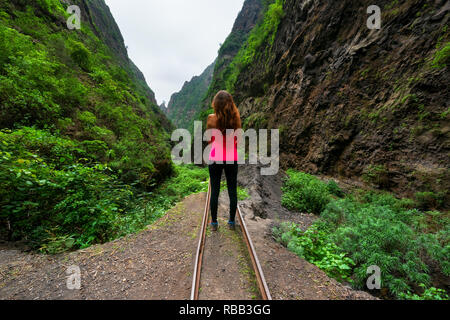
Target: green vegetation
(369, 228)
(80, 138)
(242, 193)
(428, 294)
(304, 192)
(315, 246)
(377, 175)
(183, 105)
(257, 120)
(442, 56)
(57, 196)
(263, 33)
(428, 200)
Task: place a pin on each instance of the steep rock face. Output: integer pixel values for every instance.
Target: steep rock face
(163, 107)
(80, 85)
(183, 105)
(371, 105)
(98, 15)
(247, 19)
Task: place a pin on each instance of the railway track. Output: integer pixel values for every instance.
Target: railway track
(261, 282)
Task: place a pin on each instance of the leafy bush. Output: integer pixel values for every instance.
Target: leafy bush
(334, 188)
(315, 246)
(185, 181)
(57, 197)
(377, 235)
(304, 192)
(428, 294)
(242, 193)
(371, 229)
(41, 85)
(82, 136)
(81, 55)
(27, 81)
(429, 200)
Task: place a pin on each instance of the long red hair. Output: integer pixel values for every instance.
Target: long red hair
(228, 116)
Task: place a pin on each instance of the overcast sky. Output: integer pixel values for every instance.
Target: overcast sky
(173, 40)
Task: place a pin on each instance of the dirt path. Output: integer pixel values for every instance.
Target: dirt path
(288, 276)
(158, 262)
(227, 272)
(154, 264)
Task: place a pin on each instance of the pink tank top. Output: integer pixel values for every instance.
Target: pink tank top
(220, 151)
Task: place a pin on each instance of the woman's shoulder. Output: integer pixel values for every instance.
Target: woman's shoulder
(212, 120)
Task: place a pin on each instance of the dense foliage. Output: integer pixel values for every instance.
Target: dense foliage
(367, 228)
(315, 246)
(303, 192)
(55, 195)
(80, 137)
(70, 82)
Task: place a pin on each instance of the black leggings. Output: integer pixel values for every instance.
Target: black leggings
(215, 173)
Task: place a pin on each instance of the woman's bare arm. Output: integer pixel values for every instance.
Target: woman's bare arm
(211, 123)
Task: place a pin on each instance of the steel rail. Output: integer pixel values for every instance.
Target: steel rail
(200, 249)
(260, 279)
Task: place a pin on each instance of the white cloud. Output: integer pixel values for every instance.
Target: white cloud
(173, 40)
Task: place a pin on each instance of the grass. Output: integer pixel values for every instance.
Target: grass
(242, 193)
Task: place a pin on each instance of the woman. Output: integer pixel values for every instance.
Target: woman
(223, 156)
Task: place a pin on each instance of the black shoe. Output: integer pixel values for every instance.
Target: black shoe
(231, 225)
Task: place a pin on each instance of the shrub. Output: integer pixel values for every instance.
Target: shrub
(58, 197)
(27, 81)
(304, 192)
(428, 294)
(334, 188)
(380, 231)
(46, 194)
(81, 55)
(370, 228)
(429, 200)
(59, 189)
(263, 33)
(315, 246)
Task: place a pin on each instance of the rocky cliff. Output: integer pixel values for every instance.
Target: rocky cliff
(370, 105)
(246, 20)
(184, 104)
(80, 84)
(193, 102)
(100, 20)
